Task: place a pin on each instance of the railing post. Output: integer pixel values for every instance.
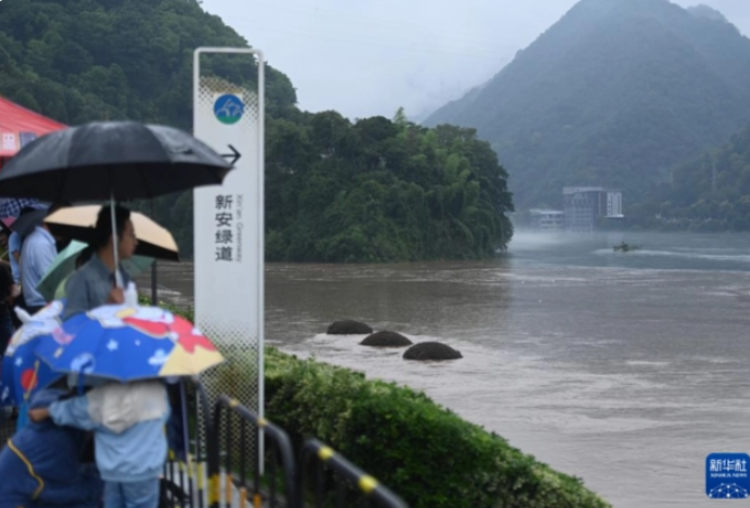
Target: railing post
(300, 484)
(281, 448)
(214, 459)
(212, 446)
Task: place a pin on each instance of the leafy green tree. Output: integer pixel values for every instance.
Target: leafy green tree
(336, 191)
(378, 191)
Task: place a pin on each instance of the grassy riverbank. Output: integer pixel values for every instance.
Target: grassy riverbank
(425, 453)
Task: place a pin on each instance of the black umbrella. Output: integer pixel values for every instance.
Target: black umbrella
(111, 160)
(29, 219)
(119, 161)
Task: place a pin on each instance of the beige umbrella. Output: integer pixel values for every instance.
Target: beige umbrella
(78, 223)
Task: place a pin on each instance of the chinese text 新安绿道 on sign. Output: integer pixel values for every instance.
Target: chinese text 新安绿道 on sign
(224, 228)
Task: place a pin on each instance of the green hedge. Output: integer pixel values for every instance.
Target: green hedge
(427, 454)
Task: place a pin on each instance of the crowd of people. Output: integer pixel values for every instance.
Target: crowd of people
(32, 255)
(29, 258)
(105, 446)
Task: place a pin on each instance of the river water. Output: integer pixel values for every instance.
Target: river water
(626, 370)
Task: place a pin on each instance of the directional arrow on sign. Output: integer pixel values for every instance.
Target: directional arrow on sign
(235, 155)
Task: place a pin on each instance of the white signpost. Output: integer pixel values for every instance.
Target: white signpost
(229, 225)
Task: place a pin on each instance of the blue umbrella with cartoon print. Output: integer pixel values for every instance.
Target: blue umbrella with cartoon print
(23, 373)
(128, 343)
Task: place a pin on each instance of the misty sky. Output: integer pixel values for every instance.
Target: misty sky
(368, 57)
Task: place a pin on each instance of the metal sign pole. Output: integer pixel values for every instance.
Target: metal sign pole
(229, 225)
(154, 289)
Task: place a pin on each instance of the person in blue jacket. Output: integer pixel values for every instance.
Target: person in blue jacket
(130, 442)
(40, 465)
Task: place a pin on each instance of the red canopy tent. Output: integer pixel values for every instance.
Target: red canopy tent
(19, 126)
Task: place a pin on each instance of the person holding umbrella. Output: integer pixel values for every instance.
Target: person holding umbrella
(128, 413)
(115, 161)
(94, 284)
(80, 224)
(118, 161)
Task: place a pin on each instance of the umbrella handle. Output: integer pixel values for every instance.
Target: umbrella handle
(82, 374)
(115, 251)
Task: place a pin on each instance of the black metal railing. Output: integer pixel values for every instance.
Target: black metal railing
(178, 484)
(267, 477)
(256, 462)
(252, 462)
(338, 483)
(183, 482)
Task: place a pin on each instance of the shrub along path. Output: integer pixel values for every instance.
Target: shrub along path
(424, 453)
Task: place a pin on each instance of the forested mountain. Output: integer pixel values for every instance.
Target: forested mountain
(84, 60)
(75, 60)
(614, 94)
(710, 193)
(376, 190)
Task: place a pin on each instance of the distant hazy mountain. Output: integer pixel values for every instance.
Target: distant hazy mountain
(615, 93)
(707, 12)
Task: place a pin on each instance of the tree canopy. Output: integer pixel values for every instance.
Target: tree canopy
(78, 60)
(377, 190)
(336, 190)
